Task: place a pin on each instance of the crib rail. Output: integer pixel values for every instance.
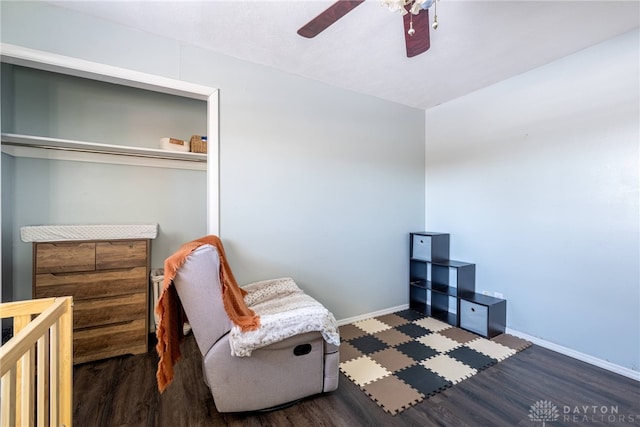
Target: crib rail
(36, 364)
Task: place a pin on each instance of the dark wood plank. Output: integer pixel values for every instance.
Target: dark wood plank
(64, 257)
(328, 17)
(122, 391)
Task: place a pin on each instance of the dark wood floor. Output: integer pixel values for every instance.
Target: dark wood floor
(122, 392)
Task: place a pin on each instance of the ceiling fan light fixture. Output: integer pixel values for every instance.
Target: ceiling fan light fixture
(407, 6)
(395, 5)
(416, 7)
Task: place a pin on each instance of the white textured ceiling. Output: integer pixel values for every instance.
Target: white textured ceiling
(477, 43)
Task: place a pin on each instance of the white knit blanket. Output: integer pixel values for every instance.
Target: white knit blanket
(285, 311)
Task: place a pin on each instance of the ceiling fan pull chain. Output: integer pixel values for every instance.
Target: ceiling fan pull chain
(411, 31)
(435, 15)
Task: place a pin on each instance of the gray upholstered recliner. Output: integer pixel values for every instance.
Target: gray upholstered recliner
(297, 367)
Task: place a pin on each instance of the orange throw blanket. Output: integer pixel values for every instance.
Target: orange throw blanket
(169, 310)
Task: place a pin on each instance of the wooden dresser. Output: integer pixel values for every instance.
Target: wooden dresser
(109, 284)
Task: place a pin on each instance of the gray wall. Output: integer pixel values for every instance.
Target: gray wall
(536, 179)
(8, 173)
(316, 183)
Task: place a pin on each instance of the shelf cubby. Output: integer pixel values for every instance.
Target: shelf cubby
(444, 289)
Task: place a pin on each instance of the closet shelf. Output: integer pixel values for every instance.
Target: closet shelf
(65, 149)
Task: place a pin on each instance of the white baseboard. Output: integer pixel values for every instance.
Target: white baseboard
(612, 367)
(374, 314)
(604, 364)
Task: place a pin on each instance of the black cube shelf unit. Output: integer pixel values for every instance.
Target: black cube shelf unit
(445, 289)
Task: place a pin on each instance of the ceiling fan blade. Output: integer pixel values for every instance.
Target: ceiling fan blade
(328, 17)
(420, 41)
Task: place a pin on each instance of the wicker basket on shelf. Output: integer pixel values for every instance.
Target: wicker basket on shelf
(198, 144)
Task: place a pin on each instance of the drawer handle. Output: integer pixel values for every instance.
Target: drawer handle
(473, 309)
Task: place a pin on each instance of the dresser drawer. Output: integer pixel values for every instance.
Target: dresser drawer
(64, 257)
(90, 313)
(121, 254)
(92, 285)
(109, 341)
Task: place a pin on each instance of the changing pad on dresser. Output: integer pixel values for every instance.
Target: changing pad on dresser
(48, 233)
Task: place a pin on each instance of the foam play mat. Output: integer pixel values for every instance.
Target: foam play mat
(402, 358)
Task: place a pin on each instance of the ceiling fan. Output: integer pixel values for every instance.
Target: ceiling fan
(415, 16)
